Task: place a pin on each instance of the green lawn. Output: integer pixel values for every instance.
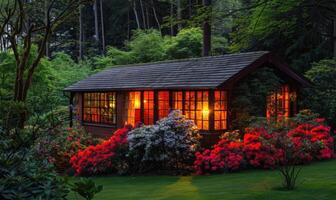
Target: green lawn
(317, 181)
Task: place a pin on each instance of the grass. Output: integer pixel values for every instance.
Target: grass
(317, 181)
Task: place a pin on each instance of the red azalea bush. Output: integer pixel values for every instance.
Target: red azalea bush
(317, 135)
(107, 156)
(227, 155)
(261, 148)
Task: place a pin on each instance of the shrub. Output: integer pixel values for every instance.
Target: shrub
(169, 144)
(60, 144)
(22, 174)
(316, 138)
(86, 188)
(108, 156)
(227, 155)
(308, 139)
(260, 150)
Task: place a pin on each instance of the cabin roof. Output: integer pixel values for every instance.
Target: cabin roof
(197, 73)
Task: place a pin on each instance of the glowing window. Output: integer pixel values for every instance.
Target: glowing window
(278, 103)
(163, 104)
(220, 110)
(133, 109)
(148, 102)
(100, 108)
(177, 100)
(196, 108)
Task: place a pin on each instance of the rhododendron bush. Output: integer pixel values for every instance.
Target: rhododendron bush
(170, 144)
(227, 155)
(108, 156)
(262, 148)
(59, 145)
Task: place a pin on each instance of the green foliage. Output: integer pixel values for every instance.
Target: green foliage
(22, 175)
(321, 97)
(86, 188)
(51, 77)
(186, 44)
(150, 46)
(290, 28)
(147, 46)
(249, 96)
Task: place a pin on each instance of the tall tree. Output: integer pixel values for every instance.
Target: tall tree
(81, 33)
(334, 36)
(207, 28)
(179, 14)
(96, 25)
(102, 26)
(300, 30)
(28, 27)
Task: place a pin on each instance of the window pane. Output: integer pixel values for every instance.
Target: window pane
(163, 101)
(148, 107)
(133, 108)
(197, 108)
(98, 108)
(278, 103)
(220, 110)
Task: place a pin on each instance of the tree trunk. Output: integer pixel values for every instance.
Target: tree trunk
(147, 18)
(128, 24)
(102, 26)
(47, 53)
(190, 8)
(334, 37)
(143, 15)
(155, 16)
(207, 29)
(179, 14)
(80, 42)
(95, 13)
(171, 18)
(136, 14)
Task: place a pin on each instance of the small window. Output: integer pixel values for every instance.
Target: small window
(220, 110)
(148, 102)
(163, 104)
(278, 103)
(100, 108)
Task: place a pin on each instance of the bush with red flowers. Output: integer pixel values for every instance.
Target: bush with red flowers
(108, 156)
(262, 148)
(227, 155)
(317, 135)
(60, 144)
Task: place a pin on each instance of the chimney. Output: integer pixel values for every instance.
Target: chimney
(207, 29)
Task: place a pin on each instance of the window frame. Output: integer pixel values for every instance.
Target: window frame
(99, 122)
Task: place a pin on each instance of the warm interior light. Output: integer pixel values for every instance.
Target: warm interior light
(205, 112)
(145, 101)
(137, 102)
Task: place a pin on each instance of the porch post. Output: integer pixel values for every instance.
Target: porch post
(71, 109)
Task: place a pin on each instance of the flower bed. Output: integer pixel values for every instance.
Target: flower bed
(262, 148)
(171, 145)
(105, 157)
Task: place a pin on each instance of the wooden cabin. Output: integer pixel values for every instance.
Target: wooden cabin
(201, 88)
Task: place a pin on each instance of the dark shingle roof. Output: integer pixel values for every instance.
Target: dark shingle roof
(204, 72)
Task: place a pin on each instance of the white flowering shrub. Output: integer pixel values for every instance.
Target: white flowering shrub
(170, 144)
